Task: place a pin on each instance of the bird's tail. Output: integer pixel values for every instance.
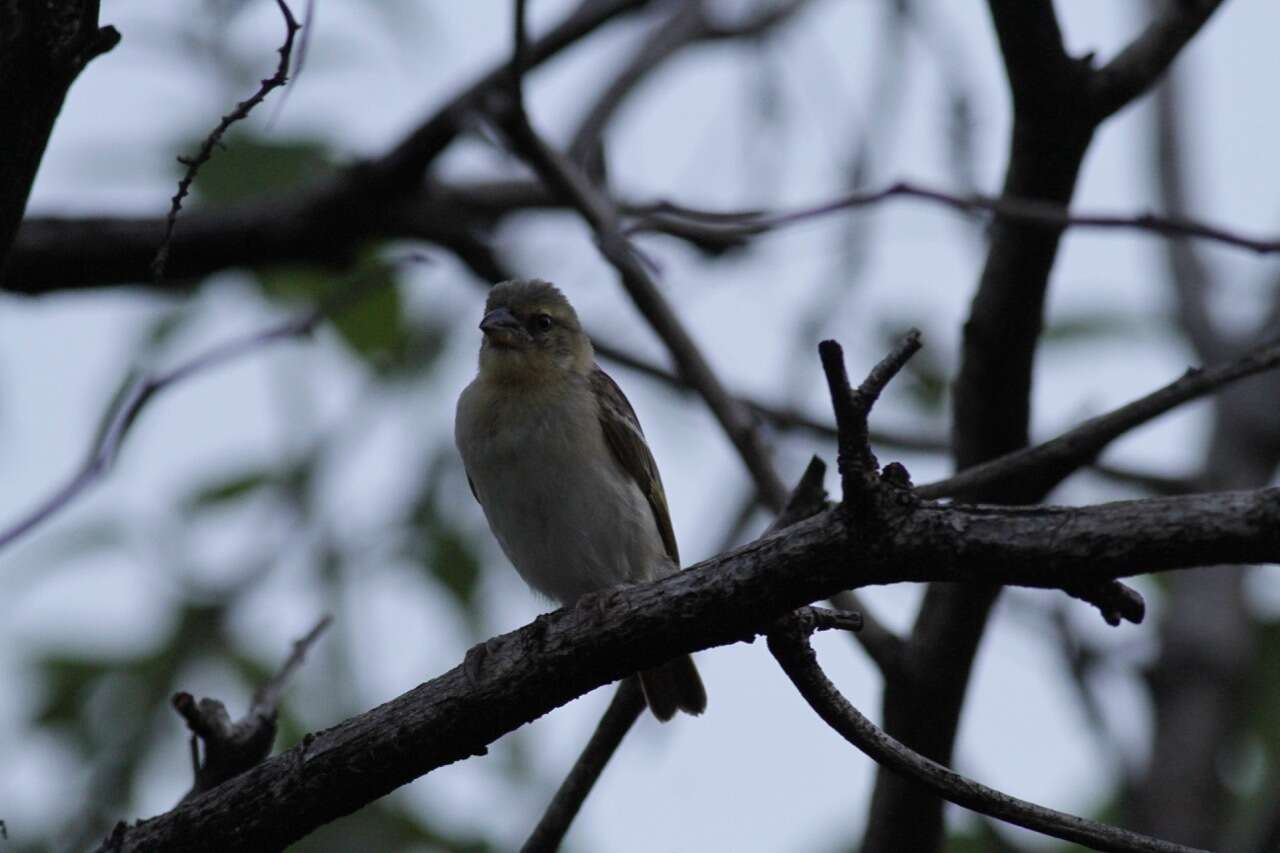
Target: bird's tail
(674, 686)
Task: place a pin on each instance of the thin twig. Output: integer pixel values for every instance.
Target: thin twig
(214, 139)
(689, 24)
(747, 224)
(619, 717)
(267, 697)
(124, 411)
(859, 470)
(780, 417)
(790, 646)
(1032, 472)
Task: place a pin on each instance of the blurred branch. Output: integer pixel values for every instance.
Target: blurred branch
(780, 417)
(1156, 484)
(1136, 68)
(789, 642)
(526, 673)
(52, 254)
(1029, 474)
(690, 24)
(323, 222)
(232, 748)
(566, 181)
(1188, 273)
(1055, 116)
(137, 393)
(747, 224)
(214, 139)
(43, 49)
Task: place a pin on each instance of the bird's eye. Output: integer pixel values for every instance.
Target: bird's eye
(542, 322)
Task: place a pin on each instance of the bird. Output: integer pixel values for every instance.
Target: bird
(555, 456)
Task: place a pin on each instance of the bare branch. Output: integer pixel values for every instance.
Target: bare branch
(747, 224)
(1136, 68)
(45, 46)
(1030, 474)
(325, 222)
(214, 139)
(859, 470)
(691, 23)
(780, 417)
(1035, 60)
(524, 674)
(790, 646)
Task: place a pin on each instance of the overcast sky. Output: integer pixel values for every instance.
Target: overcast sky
(758, 772)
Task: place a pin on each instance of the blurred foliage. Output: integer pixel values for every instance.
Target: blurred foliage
(113, 713)
(247, 166)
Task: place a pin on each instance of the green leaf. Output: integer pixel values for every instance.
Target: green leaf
(374, 326)
(227, 490)
(1089, 327)
(453, 562)
(247, 166)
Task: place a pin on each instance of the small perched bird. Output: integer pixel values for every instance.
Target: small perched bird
(556, 458)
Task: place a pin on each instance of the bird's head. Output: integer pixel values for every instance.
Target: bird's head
(531, 333)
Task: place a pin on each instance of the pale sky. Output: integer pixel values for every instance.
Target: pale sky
(758, 772)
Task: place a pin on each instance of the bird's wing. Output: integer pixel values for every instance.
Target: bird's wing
(474, 493)
(625, 438)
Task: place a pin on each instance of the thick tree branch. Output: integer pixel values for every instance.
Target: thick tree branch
(1054, 120)
(730, 598)
(790, 646)
(806, 500)
(53, 254)
(323, 223)
(43, 48)
(1035, 60)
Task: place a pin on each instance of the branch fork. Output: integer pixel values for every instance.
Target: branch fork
(861, 484)
(231, 748)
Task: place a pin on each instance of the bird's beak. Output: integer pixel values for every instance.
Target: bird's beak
(502, 328)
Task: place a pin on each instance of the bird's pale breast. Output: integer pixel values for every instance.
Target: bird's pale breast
(565, 513)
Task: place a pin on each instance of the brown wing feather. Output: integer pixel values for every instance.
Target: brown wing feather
(625, 438)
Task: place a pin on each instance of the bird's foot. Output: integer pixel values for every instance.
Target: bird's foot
(597, 603)
(473, 662)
